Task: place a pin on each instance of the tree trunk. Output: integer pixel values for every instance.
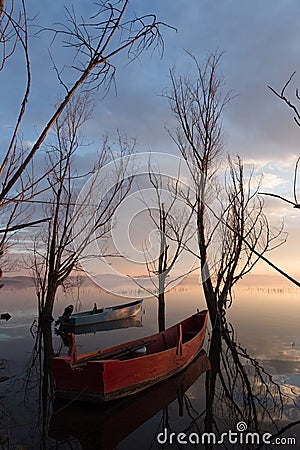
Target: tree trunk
(46, 315)
(211, 304)
(161, 312)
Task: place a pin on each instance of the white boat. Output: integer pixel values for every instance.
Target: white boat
(98, 315)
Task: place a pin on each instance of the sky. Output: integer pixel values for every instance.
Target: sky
(260, 41)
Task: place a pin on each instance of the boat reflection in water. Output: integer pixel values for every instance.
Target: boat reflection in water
(104, 427)
(102, 326)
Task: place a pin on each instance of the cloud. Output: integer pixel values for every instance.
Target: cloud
(271, 181)
(260, 43)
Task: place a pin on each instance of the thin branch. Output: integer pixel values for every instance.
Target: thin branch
(295, 183)
(25, 225)
(295, 205)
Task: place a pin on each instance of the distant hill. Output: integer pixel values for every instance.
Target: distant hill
(111, 281)
(17, 281)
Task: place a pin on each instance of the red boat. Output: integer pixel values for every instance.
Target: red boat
(105, 426)
(128, 368)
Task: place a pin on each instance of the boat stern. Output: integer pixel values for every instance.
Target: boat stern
(82, 382)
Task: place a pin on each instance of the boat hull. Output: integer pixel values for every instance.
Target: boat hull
(104, 314)
(106, 426)
(94, 380)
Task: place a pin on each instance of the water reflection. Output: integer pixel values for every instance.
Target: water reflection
(102, 326)
(38, 378)
(240, 390)
(254, 377)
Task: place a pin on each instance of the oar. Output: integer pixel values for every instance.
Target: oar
(116, 353)
(124, 351)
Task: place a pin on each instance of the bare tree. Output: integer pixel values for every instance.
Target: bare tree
(92, 44)
(295, 202)
(54, 252)
(282, 96)
(174, 227)
(240, 233)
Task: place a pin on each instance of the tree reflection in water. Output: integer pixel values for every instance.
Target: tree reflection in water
(237, 388)
(38, 379)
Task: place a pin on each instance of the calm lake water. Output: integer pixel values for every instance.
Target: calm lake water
(257, 386)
